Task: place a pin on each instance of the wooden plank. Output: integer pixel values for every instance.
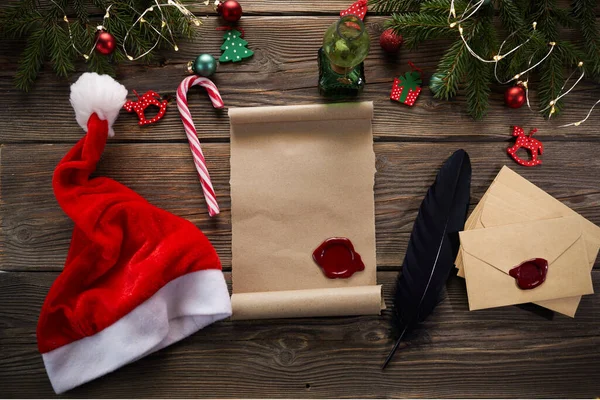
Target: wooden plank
(283, 71)
(275, 7)
(504, 352)
(35, 232)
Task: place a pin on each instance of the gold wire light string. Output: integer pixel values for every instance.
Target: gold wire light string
(185, 11)
(164, 24)
(517, 76)
(552, 104)
(500, 56)
(475, 7)
(525, 83)
(583, 120)
(497, 57)
(99, 27)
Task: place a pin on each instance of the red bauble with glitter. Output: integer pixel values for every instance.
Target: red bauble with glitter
(389, 41)
(515, 96)
(105, 42)
(230, 10)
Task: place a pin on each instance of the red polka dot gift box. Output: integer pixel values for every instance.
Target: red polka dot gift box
(406, 88)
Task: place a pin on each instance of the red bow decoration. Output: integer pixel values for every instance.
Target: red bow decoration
(528, 142)
(148, 99)
(359, 9)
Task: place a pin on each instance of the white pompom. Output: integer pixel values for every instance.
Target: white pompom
(100, 94)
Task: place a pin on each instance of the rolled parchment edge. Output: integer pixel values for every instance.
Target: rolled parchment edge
(327, 302)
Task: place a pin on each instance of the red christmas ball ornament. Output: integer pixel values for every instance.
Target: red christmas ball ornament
(105, 42)
(390, 41)
(230, 10)
(515, 96)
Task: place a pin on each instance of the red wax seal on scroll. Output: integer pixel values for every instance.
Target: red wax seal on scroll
(531, 273)
(337, 258)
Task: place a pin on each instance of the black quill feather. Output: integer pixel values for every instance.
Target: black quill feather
(432, 247)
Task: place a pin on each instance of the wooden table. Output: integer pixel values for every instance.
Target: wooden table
(504, 352)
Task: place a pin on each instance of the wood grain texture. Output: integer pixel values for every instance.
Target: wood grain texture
(283, 71)
(489, 353)
(504, 352)
(272, 7)
(33, 223)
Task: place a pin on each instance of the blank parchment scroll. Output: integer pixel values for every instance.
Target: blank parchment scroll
(301, 175)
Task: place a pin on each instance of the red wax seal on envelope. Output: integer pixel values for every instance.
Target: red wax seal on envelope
(337, 258)
(531, 273)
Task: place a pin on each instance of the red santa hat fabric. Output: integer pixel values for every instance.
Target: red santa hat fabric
(359, 9)
(136, 279)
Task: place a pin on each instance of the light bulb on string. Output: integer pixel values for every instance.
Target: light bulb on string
(577, 123)
(552, 104)
(164, 24)
(100, 28)
(472, 9)
(469, 11)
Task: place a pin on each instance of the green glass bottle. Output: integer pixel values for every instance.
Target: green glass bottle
(341, 69)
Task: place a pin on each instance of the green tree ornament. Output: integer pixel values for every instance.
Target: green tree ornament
(234, 48)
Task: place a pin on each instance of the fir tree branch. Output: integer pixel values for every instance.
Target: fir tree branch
(47, 37)
(478, 89)
(32, 59)
(551, 80)
(452, 68)
(584, 13)
(396, 6)
(60, 55)
(479, 74)
(540, 11)
(418, 27)
(512, 18)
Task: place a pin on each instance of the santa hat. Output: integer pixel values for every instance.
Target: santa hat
(136, 279)
(359, 8)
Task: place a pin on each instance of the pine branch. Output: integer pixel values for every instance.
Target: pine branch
(389, 6)
(584, 12)
(47, 35)
(418, 27)
(478, 89)
(479, 74)
(540, 11)
(551, 80)
(60, 55)
(512, 18)
(452, 68)
(32, 60)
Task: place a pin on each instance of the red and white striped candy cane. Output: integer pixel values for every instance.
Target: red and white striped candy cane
(190, 131)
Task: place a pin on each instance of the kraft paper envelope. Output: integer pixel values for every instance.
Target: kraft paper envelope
(524, 195)
(489, 254)
(300, 175)
(497, 212)
(503, 205)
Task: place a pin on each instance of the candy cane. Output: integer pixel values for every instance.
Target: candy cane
(190, 131)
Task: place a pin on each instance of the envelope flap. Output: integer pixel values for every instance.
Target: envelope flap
(545, 201)
(497, 212)
(507, 246)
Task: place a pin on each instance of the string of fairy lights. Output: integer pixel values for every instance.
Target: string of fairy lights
(140, 20)
(469, 11)
(164, 33)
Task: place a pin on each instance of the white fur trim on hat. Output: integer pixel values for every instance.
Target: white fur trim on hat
(181, 307)
(100, 94)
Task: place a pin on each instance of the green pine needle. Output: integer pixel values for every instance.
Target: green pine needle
(32, 60)
(458, 69)
(47, 35)
(418, 27)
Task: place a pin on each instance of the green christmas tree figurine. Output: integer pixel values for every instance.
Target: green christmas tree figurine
(234, 48)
